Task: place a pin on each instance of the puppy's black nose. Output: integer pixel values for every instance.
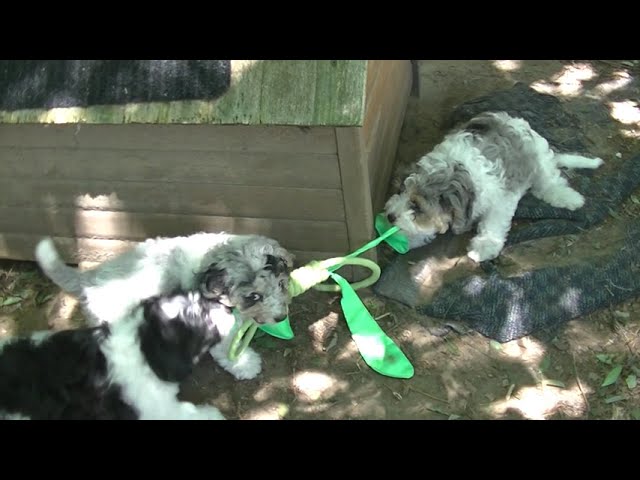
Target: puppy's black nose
(391, 217)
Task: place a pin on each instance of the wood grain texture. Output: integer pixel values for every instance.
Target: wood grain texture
(71, 222)
(175, 198)
(355, 187)
(239, 138)
(389, 105)
(224, 167)
(271, 92)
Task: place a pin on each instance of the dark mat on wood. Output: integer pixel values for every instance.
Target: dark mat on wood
(45, 84)
(505, 307)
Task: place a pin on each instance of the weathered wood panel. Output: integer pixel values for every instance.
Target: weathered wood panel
(385, 113)
(391, 132)
(237, 138)
(175, 198)
(288, 92)
(373, 68)
(304, 170)
(242, 102)
(355, 186)
(375, 108)
(21, 246)
(340, 92)
(274, 92)
(69, 222)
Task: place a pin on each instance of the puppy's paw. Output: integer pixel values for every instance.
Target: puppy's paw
(482, 249)
(596, 163)
(245, 367)
(208, 412)
(570, 199)
(189, 411)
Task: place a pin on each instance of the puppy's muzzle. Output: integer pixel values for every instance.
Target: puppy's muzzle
(391, 217)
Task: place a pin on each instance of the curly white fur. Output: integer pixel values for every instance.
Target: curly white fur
(477, 176)
(246, 272)
(131, 369)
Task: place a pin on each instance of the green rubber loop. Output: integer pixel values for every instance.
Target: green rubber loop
(340, 262)
(242, 337)
(378, 350)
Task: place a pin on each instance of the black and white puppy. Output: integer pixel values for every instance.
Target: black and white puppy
(123, 371)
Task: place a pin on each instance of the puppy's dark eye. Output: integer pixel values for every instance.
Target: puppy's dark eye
(283, 284)
(253, 298)
(415, 207)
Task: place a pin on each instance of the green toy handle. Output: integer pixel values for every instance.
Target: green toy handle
(242, 338)
(321, 271)
(248, 327)
(333, 264)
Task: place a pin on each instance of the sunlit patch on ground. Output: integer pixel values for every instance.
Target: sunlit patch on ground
(567, 83)
(507, 65)
(621, 80)
(626, 112)
(269, 411)
(539, 402)
(312, 386)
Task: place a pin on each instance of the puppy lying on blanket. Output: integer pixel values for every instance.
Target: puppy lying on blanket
(123, 371)
(247, 272)
(477, 175)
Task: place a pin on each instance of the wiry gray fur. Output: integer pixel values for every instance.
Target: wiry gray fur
(157, 266)
(476, 176)
(247, 272)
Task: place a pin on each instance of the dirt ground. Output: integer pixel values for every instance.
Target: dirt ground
(463, 375)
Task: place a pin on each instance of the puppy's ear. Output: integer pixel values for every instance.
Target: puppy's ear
(411, 182)
(214, 282)
(400, 176)
(280, 263)
(457, 199)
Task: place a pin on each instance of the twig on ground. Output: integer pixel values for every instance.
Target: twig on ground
(575, 370)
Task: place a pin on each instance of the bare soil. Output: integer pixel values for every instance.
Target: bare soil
(463, 375)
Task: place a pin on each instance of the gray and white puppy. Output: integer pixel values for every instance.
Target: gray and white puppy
(476, 177)
(247, 272)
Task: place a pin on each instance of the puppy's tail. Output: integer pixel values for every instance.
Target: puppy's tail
(66, 277)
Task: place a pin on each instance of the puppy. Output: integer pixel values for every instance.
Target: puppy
(476, 177)
(247, 272)
(123, 371)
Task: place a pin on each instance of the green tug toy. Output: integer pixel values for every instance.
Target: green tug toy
(376, 348)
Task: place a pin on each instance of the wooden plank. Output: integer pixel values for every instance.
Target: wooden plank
(355, 187)
(241, 103)
(101, 114)
(143, 112)
(383, 142)
(70, 222)
(274, 92)
(288, 89)
(373, 68)
(340, 92)
(21, 246)
(375, 108)
(313, 92)
(175, 198)
(173, 137)
(308, 170)
(189, 112)
(389, 154)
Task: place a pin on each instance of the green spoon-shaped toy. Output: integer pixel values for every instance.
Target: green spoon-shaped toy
(376, 348)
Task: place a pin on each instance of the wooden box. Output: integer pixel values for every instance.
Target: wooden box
(300, 151)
